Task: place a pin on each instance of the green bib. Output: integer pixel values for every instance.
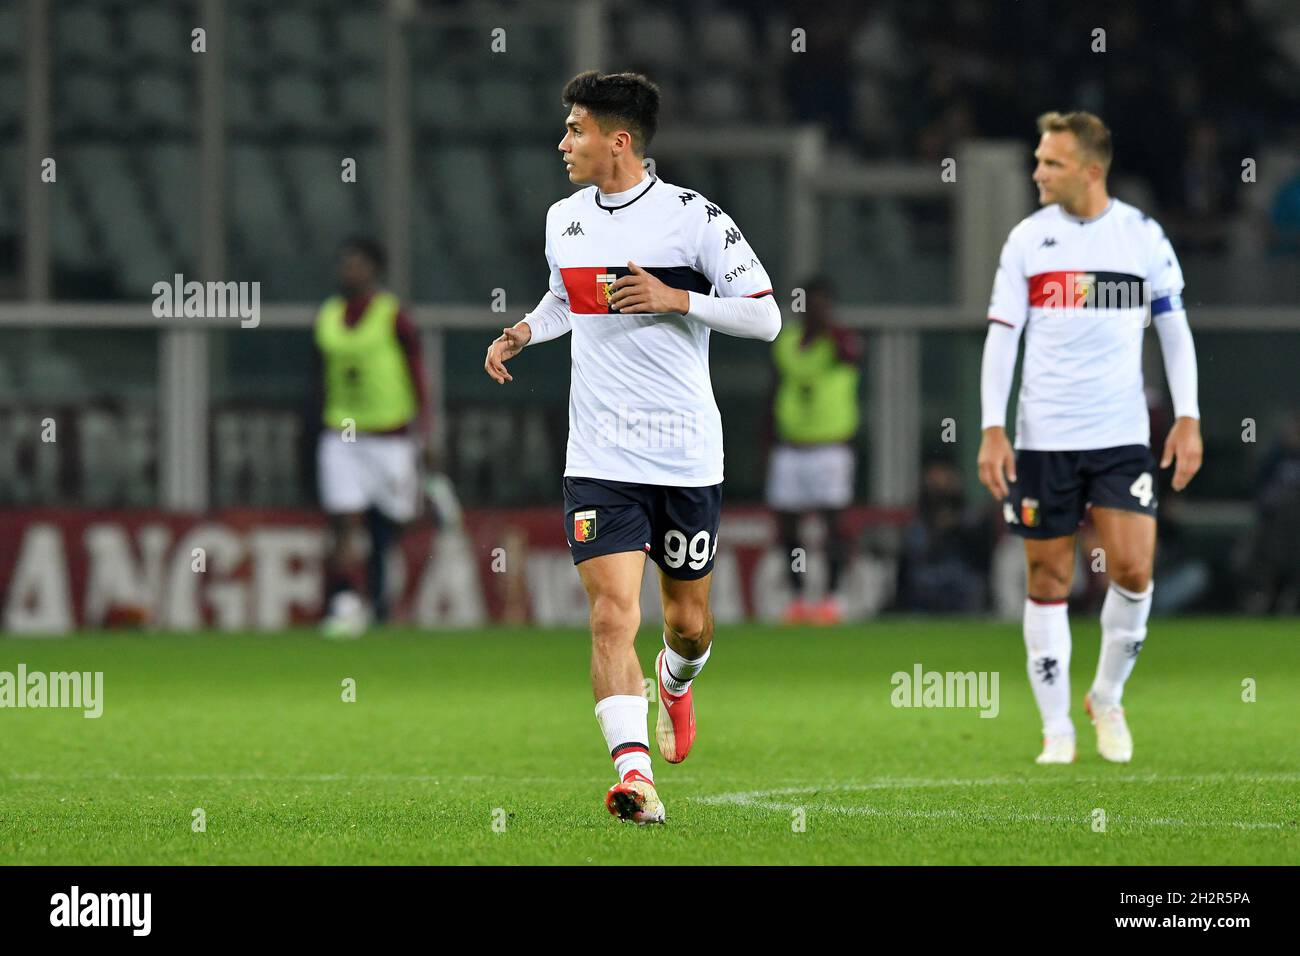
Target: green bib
(817, 398)
(366, 374)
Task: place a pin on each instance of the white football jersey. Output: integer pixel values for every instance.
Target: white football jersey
(1084, 290)
(641, 404)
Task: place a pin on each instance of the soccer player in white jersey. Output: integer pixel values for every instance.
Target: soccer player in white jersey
(641, 272)
(1082, 278)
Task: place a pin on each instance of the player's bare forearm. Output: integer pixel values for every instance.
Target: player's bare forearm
(504, 347)
(997, 461)
(1183, 449)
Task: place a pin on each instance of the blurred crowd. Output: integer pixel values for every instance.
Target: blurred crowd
(1188, 87)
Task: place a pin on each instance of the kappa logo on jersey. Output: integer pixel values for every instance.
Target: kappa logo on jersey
(733, 235)
(584, 526)
(740, 270)
(575, 229)
(1047, 243)
(686, 197)
(1029, 512)
(712, 211)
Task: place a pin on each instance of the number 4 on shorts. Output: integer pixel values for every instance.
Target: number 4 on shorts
(1141, 489)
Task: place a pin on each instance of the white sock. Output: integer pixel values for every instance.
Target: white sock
(1123, 629)
(679, 672)
(627, 735)
(1047, 638)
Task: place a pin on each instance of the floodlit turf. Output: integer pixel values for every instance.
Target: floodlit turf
(451, 733)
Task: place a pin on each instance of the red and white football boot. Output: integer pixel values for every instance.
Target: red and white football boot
(635, 799)
(675, 728)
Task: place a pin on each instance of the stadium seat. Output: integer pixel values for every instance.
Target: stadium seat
(361, 36)
(150, 261)
(757, 192)
(258, 211)
(438, 102)
(328, 205)
(173, 174)
(533, 47)
(163, 101)
(655, 39)
(83, 36)
(11, 35)
(159, 35)
(725, 40)
(719, 99)
(245, 113)
(463, 188)
(245, 46)
(294, 39)
(116, 204)
(368, 190)
(297, 101)
(11, 100)
(11, 185)
(503, 102)
(70, 233)
(534, 180)
(361, 100)
(86, 99)
(434, 277)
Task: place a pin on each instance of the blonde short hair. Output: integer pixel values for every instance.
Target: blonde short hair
(1089, 130)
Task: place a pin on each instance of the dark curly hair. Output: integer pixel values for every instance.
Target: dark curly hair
(369, 248)
(626, 100)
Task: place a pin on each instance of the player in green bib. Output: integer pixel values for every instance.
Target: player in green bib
(814, 422)
(374, 416)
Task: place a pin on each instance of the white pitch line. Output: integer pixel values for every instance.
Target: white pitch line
(911, 783)
(1080, 820)
(764, 800)
(269, 778)
(511, 780)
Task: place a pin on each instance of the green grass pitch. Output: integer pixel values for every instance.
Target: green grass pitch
(481, 747)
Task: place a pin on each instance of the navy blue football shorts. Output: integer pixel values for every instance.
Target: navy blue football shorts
(1054, 488)
(676, 527)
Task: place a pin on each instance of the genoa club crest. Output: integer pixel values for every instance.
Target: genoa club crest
(1029, 512)
(1084, 283)
(584, 526)
(604, 282)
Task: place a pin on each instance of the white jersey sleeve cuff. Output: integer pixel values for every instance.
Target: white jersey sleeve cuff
(549, 320)
(745, 318)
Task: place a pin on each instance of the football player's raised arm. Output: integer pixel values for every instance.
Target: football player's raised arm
(743, 305)
(1175, 334)
(1008, 310)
